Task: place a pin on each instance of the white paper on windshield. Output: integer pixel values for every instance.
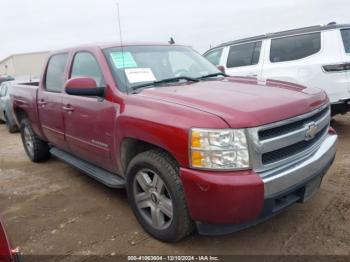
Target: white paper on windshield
(136, 75)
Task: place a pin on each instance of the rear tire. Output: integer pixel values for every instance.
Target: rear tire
(157, 197)
(36, 149)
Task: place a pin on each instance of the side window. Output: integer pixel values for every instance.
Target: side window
(85, 64)
(214, 56)
(244, 54)
(54, 80)
(345, 34)
(294, 47)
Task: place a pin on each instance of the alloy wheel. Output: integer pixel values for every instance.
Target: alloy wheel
(152, 199)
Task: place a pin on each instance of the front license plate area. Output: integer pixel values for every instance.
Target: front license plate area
(311, 188)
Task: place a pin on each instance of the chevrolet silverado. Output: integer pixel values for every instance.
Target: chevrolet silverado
(194, 149)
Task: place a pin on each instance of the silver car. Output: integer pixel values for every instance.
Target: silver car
(6, 112)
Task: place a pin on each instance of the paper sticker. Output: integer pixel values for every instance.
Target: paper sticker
(136, 75)
(123, 60)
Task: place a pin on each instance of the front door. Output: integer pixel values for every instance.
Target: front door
(50, 101)
(89, 121)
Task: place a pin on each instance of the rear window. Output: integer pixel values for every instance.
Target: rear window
(55, 73)
(345, 34)
(244, 55)
(294, 47)
(214, 56)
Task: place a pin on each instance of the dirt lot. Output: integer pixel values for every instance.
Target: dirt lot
(51, 208)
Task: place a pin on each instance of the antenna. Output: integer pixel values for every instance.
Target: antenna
(121, 45)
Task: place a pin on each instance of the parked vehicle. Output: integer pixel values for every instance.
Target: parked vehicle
(191, 146)
(6, 112)
(317, 56)
(4, 78)
(7, 254)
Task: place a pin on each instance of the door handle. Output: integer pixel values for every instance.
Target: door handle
(68, 108)
(42, 102)
(252, 74)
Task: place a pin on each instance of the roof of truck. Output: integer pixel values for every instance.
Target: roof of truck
(114, 44)
(303, 30)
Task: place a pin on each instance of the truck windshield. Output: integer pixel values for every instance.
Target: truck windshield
(140, 66)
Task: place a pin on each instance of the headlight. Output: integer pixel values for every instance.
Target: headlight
(225, 149)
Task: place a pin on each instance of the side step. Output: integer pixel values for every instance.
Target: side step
(105, 177)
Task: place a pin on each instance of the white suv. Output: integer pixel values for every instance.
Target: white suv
(317, 56)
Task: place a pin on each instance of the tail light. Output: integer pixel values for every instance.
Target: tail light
(336, 67)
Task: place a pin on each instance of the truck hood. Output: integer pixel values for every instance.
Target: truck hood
(242, 102)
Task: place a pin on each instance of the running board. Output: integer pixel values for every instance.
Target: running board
(107, 178)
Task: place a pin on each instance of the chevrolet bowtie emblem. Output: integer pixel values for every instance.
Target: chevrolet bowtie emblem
(311, 131)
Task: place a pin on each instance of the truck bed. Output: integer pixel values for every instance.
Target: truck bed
(24, 96)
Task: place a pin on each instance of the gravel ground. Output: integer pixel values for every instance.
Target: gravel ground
(50, 208)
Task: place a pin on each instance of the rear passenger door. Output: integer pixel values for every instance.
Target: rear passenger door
(302, 58)
(293, 58)
(50, 100)
(244, 59)
(89, 121)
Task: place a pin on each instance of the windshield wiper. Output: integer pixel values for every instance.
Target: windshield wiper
(213, 75)
(167, 80)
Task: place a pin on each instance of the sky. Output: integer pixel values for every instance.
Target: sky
(40, 25)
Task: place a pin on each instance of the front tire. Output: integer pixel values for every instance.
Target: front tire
(36, 149)
(157, 197)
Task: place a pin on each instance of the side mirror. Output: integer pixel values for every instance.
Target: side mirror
(221, 68)
(83, 86)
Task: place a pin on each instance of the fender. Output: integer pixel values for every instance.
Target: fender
(163, 124)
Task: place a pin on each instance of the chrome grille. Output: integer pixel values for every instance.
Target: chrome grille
(288, 141)
(279, 130)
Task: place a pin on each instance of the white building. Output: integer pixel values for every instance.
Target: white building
(23, 65)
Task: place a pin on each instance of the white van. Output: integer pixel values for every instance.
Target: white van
(317, 56)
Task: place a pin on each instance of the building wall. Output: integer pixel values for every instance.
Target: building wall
(24, 65)
(7, 67)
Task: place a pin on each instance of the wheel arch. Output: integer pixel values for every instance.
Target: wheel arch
(20, 114)
(130, 147)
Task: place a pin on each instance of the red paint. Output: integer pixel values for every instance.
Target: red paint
(332, 131)
(81, 83)
(243, 102)
(163, 117)
(5, 248)
(225, 198)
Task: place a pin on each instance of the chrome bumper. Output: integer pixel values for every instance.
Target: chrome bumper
(279, 180)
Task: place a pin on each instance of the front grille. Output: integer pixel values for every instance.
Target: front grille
(285, 152)
(284, 142)
(280, 130)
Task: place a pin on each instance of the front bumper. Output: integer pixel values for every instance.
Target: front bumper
(340, 107)
(226, 202)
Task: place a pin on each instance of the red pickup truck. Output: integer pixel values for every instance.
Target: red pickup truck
(7, 254)
(194, 148)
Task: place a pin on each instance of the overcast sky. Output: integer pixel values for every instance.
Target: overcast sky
(35, 25)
